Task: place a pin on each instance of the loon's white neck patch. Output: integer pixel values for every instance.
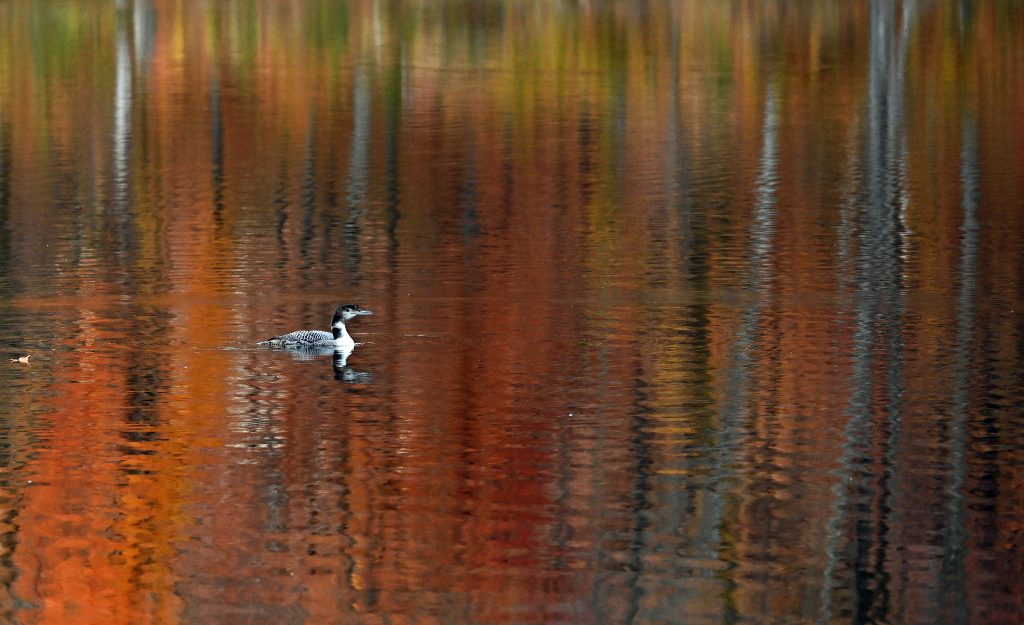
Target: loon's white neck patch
(342, 336)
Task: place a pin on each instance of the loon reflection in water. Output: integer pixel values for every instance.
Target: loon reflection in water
(339, 361)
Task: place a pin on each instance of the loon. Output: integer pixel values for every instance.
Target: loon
(338, 336)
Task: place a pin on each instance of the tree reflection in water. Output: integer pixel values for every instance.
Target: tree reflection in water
(690, 312)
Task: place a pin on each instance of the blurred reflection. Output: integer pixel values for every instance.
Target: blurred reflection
(952, 594)
(357, 172)
(738, 412)
(690, 312)
(338, 357)
(122, 113)
(345, 373)
(864, 498)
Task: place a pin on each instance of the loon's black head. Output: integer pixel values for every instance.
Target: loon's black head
(346, 312)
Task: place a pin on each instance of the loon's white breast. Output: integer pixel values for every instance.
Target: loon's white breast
(338, 336)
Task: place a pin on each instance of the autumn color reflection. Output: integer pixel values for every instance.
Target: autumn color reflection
(684, 312)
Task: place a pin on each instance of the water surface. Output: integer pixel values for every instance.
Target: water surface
(685, 312)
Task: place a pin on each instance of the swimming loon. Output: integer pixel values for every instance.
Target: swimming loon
(337, 337)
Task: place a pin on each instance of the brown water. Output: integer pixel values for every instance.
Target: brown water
(685, 312)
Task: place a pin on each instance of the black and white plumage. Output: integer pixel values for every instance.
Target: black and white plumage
(338, 337)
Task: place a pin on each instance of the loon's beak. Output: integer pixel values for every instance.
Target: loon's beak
(364, 312)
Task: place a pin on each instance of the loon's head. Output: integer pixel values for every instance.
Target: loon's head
(346, 312)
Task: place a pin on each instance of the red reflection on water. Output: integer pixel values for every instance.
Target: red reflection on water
(640, 351)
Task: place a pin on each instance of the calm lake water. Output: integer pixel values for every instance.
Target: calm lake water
(684, 312)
